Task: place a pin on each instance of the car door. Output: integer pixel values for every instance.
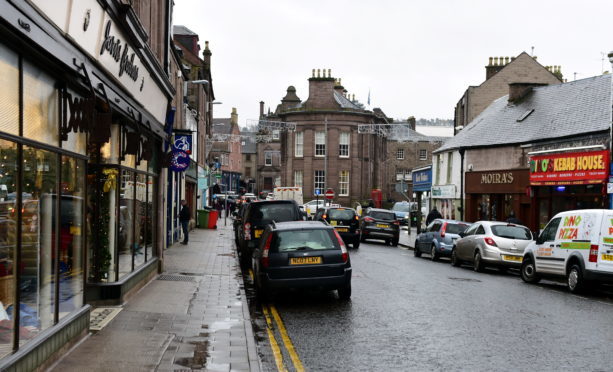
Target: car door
(434, 229)
(476, 241)
(547, 257)
(463, 246)
(422, 237)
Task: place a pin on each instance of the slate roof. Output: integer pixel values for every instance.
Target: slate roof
(407, 134)
(562, 110)
(222, 126)
(344, 102)
(182, 30)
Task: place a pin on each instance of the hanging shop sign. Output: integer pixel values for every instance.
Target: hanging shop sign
(182, 141)
(422, 179)
(569, 168)
(179, 161)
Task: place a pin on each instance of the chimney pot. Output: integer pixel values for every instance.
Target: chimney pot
(313, 73)
(261, 109)
(329, 72)
(490, 61)
(318, 72)
(506, 60)
(495, 61)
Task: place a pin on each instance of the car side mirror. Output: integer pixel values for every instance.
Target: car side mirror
(462, 234)
(538, 239)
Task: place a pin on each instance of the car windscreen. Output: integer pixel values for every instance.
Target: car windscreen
(303, 240)
(341, 214)
(455, 228)
(383, 216)
(263, 214)
(402, 208)
(512, 232)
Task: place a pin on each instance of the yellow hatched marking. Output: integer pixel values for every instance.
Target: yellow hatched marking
(276, 351)
(287, 341)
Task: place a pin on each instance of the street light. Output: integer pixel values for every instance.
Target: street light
(610, 55)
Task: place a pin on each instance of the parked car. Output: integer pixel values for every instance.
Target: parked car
(311, 207)
(491, 243)
(254, 219)
(403, 211)
(380, 224)
(307, 254)
(249, 196)
(344, 220)
(439, 237)
(576, 246)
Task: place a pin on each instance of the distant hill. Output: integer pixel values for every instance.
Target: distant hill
(434, 122)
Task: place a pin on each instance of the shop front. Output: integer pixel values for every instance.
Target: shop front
(446, 200)
(422, 186)
(495, 195)
(78, 173)
(567, 181)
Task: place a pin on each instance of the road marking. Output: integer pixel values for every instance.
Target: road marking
(286, 340)
(276, 351)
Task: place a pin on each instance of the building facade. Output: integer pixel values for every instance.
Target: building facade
(249, 163)
(227, 148)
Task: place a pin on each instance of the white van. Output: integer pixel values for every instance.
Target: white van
(576, 245)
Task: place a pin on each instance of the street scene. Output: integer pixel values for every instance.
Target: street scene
(306, 186)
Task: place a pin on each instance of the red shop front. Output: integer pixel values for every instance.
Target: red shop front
(567, 181)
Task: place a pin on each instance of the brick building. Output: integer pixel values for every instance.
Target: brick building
(249, 153)
(499, 73)
(325, 150)
(229, 152)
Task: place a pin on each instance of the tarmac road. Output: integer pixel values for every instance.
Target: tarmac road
(412, 314)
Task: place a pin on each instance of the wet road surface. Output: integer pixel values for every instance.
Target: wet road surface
(412, 314)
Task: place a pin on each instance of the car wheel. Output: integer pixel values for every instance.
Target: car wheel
(344, 293)
(454, 258)
(395, 242)
(356, 243)
(574, 280)
(528, 271)
(362, 238)
(433, 254)
(416, 251)
(478, 263)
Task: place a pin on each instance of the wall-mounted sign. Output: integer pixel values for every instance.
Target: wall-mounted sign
(569, 168)
(182, 142)
(504, 181)
(443, 192)
(179, 161)
(422, 179)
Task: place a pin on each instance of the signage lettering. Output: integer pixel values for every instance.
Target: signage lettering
(489, 178)
(581, 167)
(120, 53)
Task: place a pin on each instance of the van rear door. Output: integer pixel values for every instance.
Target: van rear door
(605, 249)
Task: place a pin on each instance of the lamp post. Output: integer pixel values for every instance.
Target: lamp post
(610, 55)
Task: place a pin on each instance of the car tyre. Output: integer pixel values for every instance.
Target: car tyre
(395, 241)
(478, 263)
(574, 279)
(344, 293)
(356, 243)
(527, 272)
(416, 251)
(433, 254)
(454, 258)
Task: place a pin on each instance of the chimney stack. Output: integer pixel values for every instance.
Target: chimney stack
(518, 91)
(499, 63)
(411, 121)
(261, 109)
(234, 117)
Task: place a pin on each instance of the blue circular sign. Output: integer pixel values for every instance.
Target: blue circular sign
(179, 161)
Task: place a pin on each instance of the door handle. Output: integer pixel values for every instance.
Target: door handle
(558, 246)
(550, 245)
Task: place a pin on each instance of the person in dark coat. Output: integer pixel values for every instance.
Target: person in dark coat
(433, 215)
(512, 219)
(184, 217)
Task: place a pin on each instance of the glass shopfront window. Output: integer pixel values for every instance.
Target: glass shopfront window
(140, 221)
(151, 204)
(9, 95)
(126, 223)
(40, 109)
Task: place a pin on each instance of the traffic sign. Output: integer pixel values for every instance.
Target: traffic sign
(329, 194)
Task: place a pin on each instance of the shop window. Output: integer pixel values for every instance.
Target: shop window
(76, 141)
(38, 223)
(109, 152)
(151, 228)
(8, 239)
(126, 239)
(40, 106)
(9, 95)
(71, 235)
(140, 223)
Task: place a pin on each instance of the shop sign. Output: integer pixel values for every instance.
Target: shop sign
(500, 177)
(569, 168)
(182, 142)
(443, 192)
(179, 161)
(422, 179)
(506, 181)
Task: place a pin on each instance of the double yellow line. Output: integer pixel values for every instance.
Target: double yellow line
(270, 313)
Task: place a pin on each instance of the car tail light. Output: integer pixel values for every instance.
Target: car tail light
(357, 218)
(594, 253)
(490, 241)
(369, 219)
(345, 254)
(247, 228)
(324, 216)
(443, 229)
(264, 260)
(396, 222)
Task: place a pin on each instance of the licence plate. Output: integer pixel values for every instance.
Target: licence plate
(333, 223)
(305, 260)
(342, 229)
(607, 257)
(512, 258)
(382, 225)
(75, 230)
(258, 233)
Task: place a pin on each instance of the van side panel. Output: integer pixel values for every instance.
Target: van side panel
(605, 246)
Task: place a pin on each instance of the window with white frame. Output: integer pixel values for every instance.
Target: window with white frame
(268, 159)
(343, 183)
(320, 181)
(423, 154)
(320, 144)
(299, 144)
(298, 178)
(343, 147)
(400, 154)
(399, 174)
(408, 175)
(275, 134)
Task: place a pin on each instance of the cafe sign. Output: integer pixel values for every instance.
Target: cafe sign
(569, 168)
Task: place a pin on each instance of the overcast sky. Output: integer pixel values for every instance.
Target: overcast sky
(415, 57)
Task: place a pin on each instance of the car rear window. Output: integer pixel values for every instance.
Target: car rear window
(512, 232)
(341, 214)
(303, 240)
(383, 215)
(402, 207)
(264, 213)
(455, 228)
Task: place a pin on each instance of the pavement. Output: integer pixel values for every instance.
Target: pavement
(407, 239)
(194, 316)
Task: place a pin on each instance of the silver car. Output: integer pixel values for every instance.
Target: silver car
(491, 243)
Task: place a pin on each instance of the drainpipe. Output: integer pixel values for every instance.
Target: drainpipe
(462, 184)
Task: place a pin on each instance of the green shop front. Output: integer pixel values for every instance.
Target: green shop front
(79, 176)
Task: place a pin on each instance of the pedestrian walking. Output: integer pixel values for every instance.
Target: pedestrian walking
(512, 219)
(184, 217)
(433, 215)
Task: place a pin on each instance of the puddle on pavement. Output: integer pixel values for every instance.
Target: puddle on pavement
(223, 325)
(464, 279)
